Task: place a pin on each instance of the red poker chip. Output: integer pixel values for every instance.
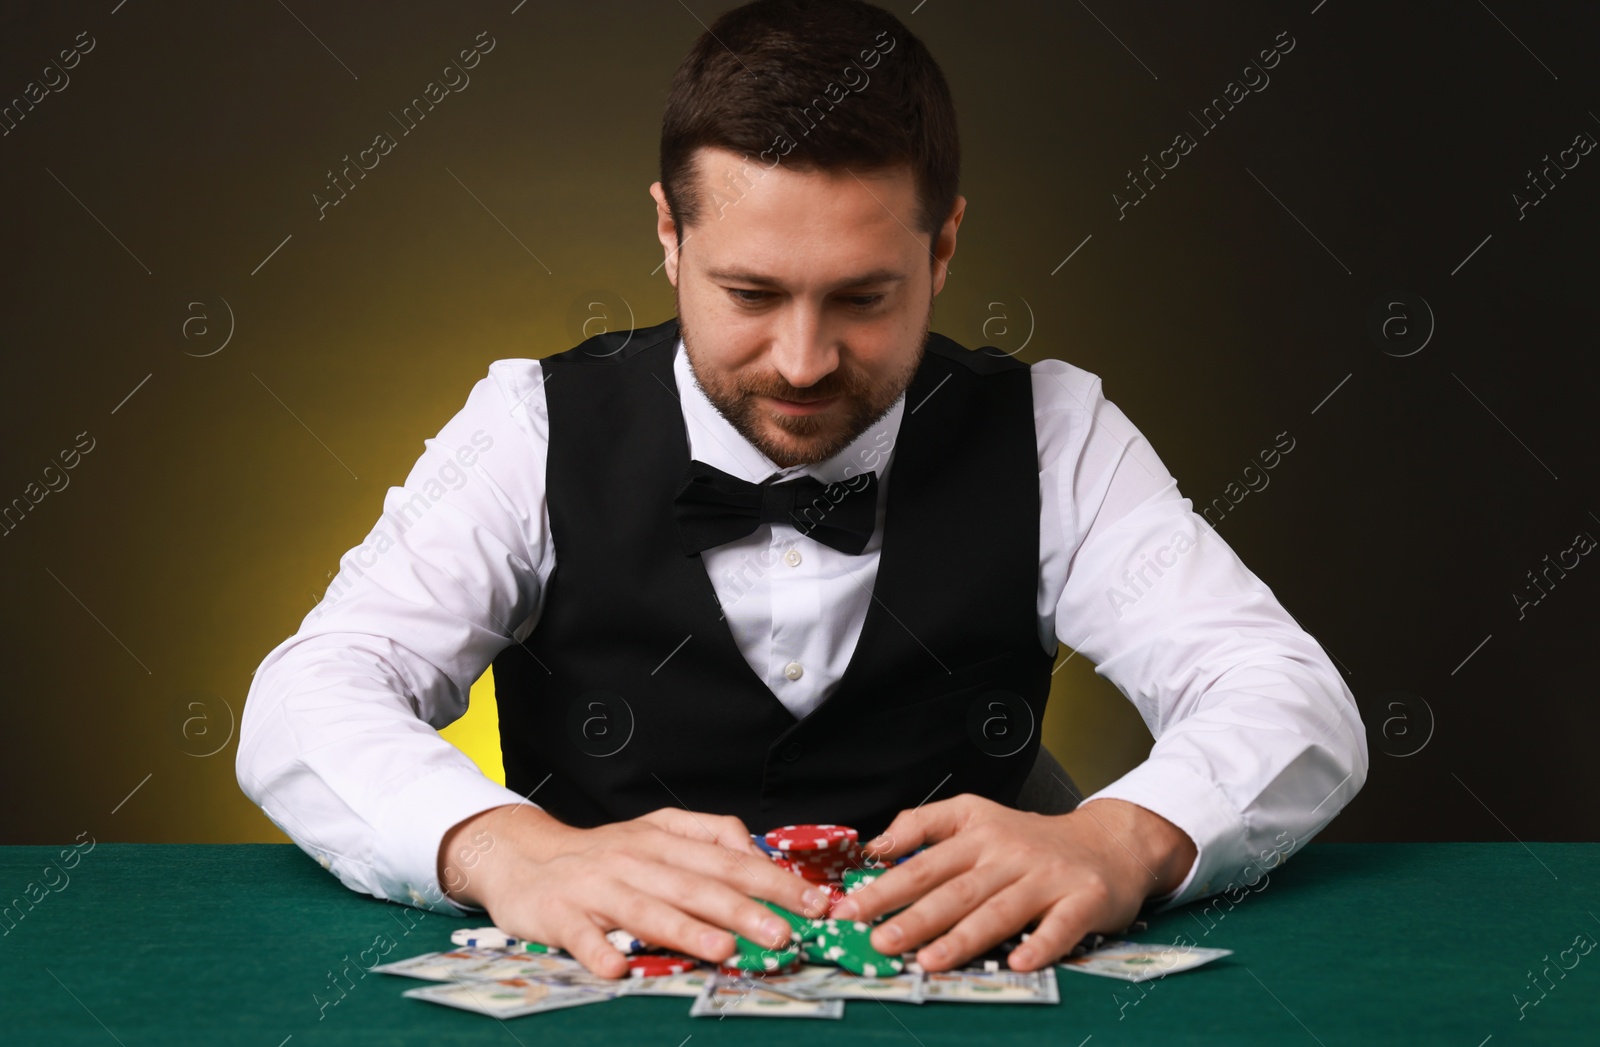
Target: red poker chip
(811, 838)
(654, 965)
(736, 972)
(812, 873)
(823, 861)
(818, 878)
(833, 857)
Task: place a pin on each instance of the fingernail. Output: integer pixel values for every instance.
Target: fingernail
(1022, 958)
(891, 934)
(846, 910)
(711, 941)
(772, 929)
(938, 953)
(877, 843)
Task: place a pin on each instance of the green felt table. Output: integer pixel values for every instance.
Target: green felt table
(1348, 943)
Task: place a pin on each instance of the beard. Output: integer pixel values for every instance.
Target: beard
(790, 440)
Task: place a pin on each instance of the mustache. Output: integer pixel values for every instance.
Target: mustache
(826, 388)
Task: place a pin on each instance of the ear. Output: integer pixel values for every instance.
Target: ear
(666, 232)
(944, 246)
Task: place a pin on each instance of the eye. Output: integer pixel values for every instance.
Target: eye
(864, 301)
(746, 297)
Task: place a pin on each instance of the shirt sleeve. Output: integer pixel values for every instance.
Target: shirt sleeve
(1258, 741)
(339, 741)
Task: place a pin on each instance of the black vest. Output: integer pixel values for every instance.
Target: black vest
(630, 693)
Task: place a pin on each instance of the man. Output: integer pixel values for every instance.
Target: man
(789, 557)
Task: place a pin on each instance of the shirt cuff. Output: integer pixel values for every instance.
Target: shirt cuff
(1194, 804)
(413, 825)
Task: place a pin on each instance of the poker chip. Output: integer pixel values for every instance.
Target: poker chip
(738, 972)
(625, 943)
(798, 924)
(813, 953)
(761, 842)
(785, 864)
(848, 943)
(817, 867)
(806, 838)
(748, 956)
(855, 879)
(656, 965)
(538, 947)
(483, 938)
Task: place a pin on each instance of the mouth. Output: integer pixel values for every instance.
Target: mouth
(801, 407)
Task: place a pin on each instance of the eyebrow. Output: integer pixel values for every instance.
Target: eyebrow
(875, 276)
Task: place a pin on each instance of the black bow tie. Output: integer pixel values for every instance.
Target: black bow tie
(714, 508)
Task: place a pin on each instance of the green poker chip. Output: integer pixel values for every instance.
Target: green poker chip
(748, 956)
(855, 879)
(811, 952)
(799, 925)
(849, 945)
(539, 947)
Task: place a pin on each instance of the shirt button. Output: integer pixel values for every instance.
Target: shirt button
(792, 557)
(793, 670)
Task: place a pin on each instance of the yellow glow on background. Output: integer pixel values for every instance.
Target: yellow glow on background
(478, 732)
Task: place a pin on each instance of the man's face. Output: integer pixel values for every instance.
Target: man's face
(803, 298)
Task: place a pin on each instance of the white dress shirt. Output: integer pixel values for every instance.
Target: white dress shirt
(1258, 742)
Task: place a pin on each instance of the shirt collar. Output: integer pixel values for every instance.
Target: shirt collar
(715, 442)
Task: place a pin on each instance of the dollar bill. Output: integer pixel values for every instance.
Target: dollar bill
(1134, 962)
(1003, 986)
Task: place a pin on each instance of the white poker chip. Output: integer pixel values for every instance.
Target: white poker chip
(483, 938)
(625, 942)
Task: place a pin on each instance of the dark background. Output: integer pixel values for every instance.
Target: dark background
(163, 202)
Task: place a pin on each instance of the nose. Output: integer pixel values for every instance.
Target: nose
(802, 349)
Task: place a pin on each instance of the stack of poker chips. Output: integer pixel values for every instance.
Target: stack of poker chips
(822, 855)
(837, 943)
(848, 944)
(750, 959)
(827, 856)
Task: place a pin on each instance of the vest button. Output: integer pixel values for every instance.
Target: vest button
(791, 752)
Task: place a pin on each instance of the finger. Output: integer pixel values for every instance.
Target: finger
(1063, 927)
(667, 924)
(587, 944)
(910, 829)
(751, 875)
(712, 900)
(938, 911)
(999, 916)
(723, 829)
(907, 882)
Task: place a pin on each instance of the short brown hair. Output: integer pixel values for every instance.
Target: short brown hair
(797, 72)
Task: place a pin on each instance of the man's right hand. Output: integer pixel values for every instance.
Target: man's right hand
(674, 878)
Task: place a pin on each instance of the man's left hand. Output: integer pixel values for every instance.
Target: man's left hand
(991, 870)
